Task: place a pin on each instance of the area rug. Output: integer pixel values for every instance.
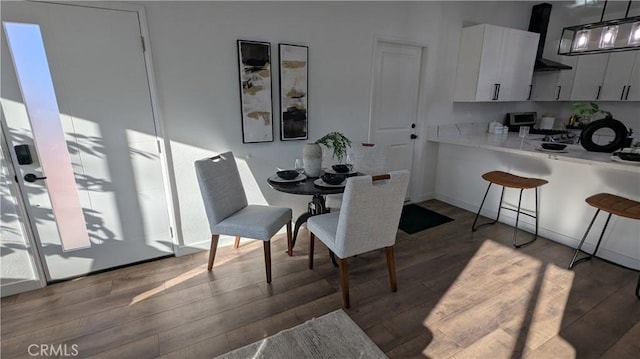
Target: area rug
(333, 335)
(415, 219)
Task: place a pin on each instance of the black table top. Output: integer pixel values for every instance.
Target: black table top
(306, 187)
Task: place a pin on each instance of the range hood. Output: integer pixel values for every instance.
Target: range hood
(539, 23)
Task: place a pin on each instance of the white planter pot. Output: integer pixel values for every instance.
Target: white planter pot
(312, 159)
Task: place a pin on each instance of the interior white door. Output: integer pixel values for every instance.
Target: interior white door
(99, 74)
(396, 86)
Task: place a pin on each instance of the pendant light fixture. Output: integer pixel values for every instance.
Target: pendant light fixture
(601, 37)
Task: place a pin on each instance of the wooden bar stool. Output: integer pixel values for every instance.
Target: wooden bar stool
(612, 204)
(505, 179)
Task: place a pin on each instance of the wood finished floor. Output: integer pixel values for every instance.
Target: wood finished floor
(461, 295)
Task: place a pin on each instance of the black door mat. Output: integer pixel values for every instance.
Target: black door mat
(415, 219)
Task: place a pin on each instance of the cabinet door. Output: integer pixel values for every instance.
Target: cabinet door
(617, 76)
(489, 63)
(518, 54)
(545, 86)
(633, 89)
(565, 80)
(588, 77)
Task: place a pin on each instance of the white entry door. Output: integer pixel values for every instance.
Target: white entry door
(97, 66)
(396, 85)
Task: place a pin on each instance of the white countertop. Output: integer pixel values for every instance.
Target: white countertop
(511, 143)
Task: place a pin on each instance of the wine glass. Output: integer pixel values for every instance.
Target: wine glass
(299, 166)
(349, 161)
(523, 132)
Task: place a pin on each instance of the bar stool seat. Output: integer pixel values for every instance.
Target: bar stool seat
(508, 180)
(611, 204)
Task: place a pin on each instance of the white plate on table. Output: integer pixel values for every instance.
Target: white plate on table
(320, 183)
(618, 159)
(551, 151)
(332, 171)
(275, 178)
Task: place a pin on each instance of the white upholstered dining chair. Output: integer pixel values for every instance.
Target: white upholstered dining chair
(228, 211)
(367, 158)
(368, 220)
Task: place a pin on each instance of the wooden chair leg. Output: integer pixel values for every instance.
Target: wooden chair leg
(237, 243)
(344, 281)
(289, 239)
(267, 259)
(312, 239)
(391, 265)
(212, 250)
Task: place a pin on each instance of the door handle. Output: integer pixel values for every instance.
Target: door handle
(30, 177)
(627, 96)
(598, 94)
(622, 94)
(558, 93)
(496, 92)
(413, 136)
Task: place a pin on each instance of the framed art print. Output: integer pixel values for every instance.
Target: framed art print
(254, 65)
(294, 73)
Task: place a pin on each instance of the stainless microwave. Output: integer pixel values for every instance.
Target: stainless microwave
(517, 119)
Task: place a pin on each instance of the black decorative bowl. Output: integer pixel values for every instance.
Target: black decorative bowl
(341, 168)
(287, 174)
(553, 146)
(333, 179)
(627, 156)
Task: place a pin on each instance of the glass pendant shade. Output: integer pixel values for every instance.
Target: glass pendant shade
(608, 37)
(634, 36)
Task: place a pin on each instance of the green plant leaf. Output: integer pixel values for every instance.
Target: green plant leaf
(337, 142)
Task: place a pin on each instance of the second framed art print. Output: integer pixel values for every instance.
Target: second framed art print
(294, 72)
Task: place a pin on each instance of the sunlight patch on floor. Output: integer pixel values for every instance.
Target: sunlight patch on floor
(504, 303)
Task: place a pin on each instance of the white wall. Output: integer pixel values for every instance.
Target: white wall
(194, 53)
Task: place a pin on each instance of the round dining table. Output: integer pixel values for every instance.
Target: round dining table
(307, 187)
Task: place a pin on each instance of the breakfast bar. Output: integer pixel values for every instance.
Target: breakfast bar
(466, 151)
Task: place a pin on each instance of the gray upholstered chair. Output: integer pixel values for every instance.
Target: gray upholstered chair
(228, 211)
(368, 220)
(367, 158)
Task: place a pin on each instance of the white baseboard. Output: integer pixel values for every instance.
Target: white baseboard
(191, 248)
(561, 238)
(423, 197)
(19, 287)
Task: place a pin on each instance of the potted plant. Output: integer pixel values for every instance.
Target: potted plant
(337, 142)
(584, 113)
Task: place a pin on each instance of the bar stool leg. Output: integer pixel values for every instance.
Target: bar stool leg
(601, 235)
(575, 255)
(473, 226)
(536, 236)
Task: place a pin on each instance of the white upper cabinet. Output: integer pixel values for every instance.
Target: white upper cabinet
(495, 64)
(554, 85)
(607, 77)
(633, 87)
(618, 76)
(587, 83)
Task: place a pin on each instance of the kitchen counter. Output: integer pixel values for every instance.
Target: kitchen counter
(471, 136)
(464, 152)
